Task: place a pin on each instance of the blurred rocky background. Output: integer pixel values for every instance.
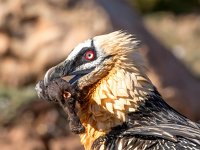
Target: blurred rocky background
(35, 35)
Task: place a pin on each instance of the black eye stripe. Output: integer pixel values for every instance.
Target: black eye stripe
(79, 59)
(84, 49)
(92, 43)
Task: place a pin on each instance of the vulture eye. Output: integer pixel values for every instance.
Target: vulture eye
(89, 55)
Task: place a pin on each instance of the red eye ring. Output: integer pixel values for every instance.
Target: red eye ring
(89, 55)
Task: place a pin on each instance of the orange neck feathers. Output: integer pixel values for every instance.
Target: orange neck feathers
(111, 99)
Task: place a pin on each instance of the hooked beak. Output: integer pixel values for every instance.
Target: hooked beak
(62, 70)
(59, 71)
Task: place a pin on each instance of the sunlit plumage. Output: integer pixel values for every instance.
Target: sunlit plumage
(119, 106)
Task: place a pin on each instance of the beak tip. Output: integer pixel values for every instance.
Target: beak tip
(55, 72)
(48, 76)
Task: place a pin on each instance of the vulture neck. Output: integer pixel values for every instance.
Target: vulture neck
(111, 99)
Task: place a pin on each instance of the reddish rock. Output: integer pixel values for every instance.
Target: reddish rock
(20, 138)
(4, 43)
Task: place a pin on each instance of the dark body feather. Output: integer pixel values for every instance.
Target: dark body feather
(155, 125)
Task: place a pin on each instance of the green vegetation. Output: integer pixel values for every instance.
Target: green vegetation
(12, 99)
(175, 6)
